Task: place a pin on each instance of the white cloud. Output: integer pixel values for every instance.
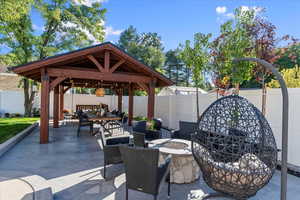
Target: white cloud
(109, 30)
(88, 2)
(87, 33)
(37, 27)
(223, 15)
(221, 9)
(229, 15)
(256, 9)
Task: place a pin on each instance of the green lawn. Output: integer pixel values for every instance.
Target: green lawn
(10, 127)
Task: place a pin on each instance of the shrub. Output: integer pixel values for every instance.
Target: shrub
(15, 115)
(36, 112)
(139, 118)
(7, 115)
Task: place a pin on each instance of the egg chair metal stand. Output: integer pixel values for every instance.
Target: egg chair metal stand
(235, 146)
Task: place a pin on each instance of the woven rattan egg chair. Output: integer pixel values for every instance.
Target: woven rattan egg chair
(235, 147)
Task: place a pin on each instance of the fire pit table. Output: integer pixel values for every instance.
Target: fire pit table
(184, 168)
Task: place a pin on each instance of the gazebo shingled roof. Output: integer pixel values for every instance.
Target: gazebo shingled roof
(88, 59)
(103, 65)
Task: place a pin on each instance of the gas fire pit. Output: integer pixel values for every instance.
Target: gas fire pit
(184, 168)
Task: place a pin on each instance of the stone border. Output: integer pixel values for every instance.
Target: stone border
(40, 188)
(7, 145)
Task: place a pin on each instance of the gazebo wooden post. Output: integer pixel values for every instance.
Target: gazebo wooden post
(151, 100)
(44, 126)
(56, 107)
(130, 104)
(120, 96)
(61, 102)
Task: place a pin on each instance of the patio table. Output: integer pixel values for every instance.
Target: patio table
(183, 168)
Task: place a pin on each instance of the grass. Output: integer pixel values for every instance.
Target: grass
(10, 127)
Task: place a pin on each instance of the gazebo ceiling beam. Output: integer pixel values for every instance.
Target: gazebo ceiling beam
(96, 62)
(118, 64)
(66, 89)
(56, 81)
(85, 74)
(144, 86)
(106, 61)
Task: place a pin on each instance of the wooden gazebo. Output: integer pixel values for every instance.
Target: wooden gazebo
(104, 65)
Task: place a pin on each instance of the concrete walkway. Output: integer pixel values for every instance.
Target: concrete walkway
(72, 166)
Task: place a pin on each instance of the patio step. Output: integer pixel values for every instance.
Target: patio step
(23, 186)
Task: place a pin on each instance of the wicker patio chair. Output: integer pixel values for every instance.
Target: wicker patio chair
(185, 130)
(118, 124)
(111, 149)
(141, 127)
(139, 140)
(143, 173)
(84, 121)
(235, 147)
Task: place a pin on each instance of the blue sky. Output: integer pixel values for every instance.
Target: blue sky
(177, 20)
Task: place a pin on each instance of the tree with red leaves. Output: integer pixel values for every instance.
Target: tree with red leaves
(265, 42)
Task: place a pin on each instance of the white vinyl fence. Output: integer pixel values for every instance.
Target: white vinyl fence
(171, 109)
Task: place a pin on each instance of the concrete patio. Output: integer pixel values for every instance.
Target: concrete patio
(72, 167)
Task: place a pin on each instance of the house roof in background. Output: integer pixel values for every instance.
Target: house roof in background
(9, 82)
(186, 89)
(3, 68)
(180, 90)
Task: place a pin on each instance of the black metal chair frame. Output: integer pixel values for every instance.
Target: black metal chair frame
(83, 121)
(111, 149)
(139, 140)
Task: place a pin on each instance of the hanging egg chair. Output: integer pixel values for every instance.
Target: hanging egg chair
(235, 147)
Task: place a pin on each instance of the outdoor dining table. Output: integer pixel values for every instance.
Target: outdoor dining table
(104, 120)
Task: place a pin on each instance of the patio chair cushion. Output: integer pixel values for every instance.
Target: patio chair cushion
(235, 173)
(152, 135)
(139, 126)
(117, 140)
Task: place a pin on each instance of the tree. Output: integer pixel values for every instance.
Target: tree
(146, 47)
(233, 42)
(290, 55)
(263, 35)
(175, 69)
(291, 77)
(264, 40)
(197, 58)
(67, 25)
